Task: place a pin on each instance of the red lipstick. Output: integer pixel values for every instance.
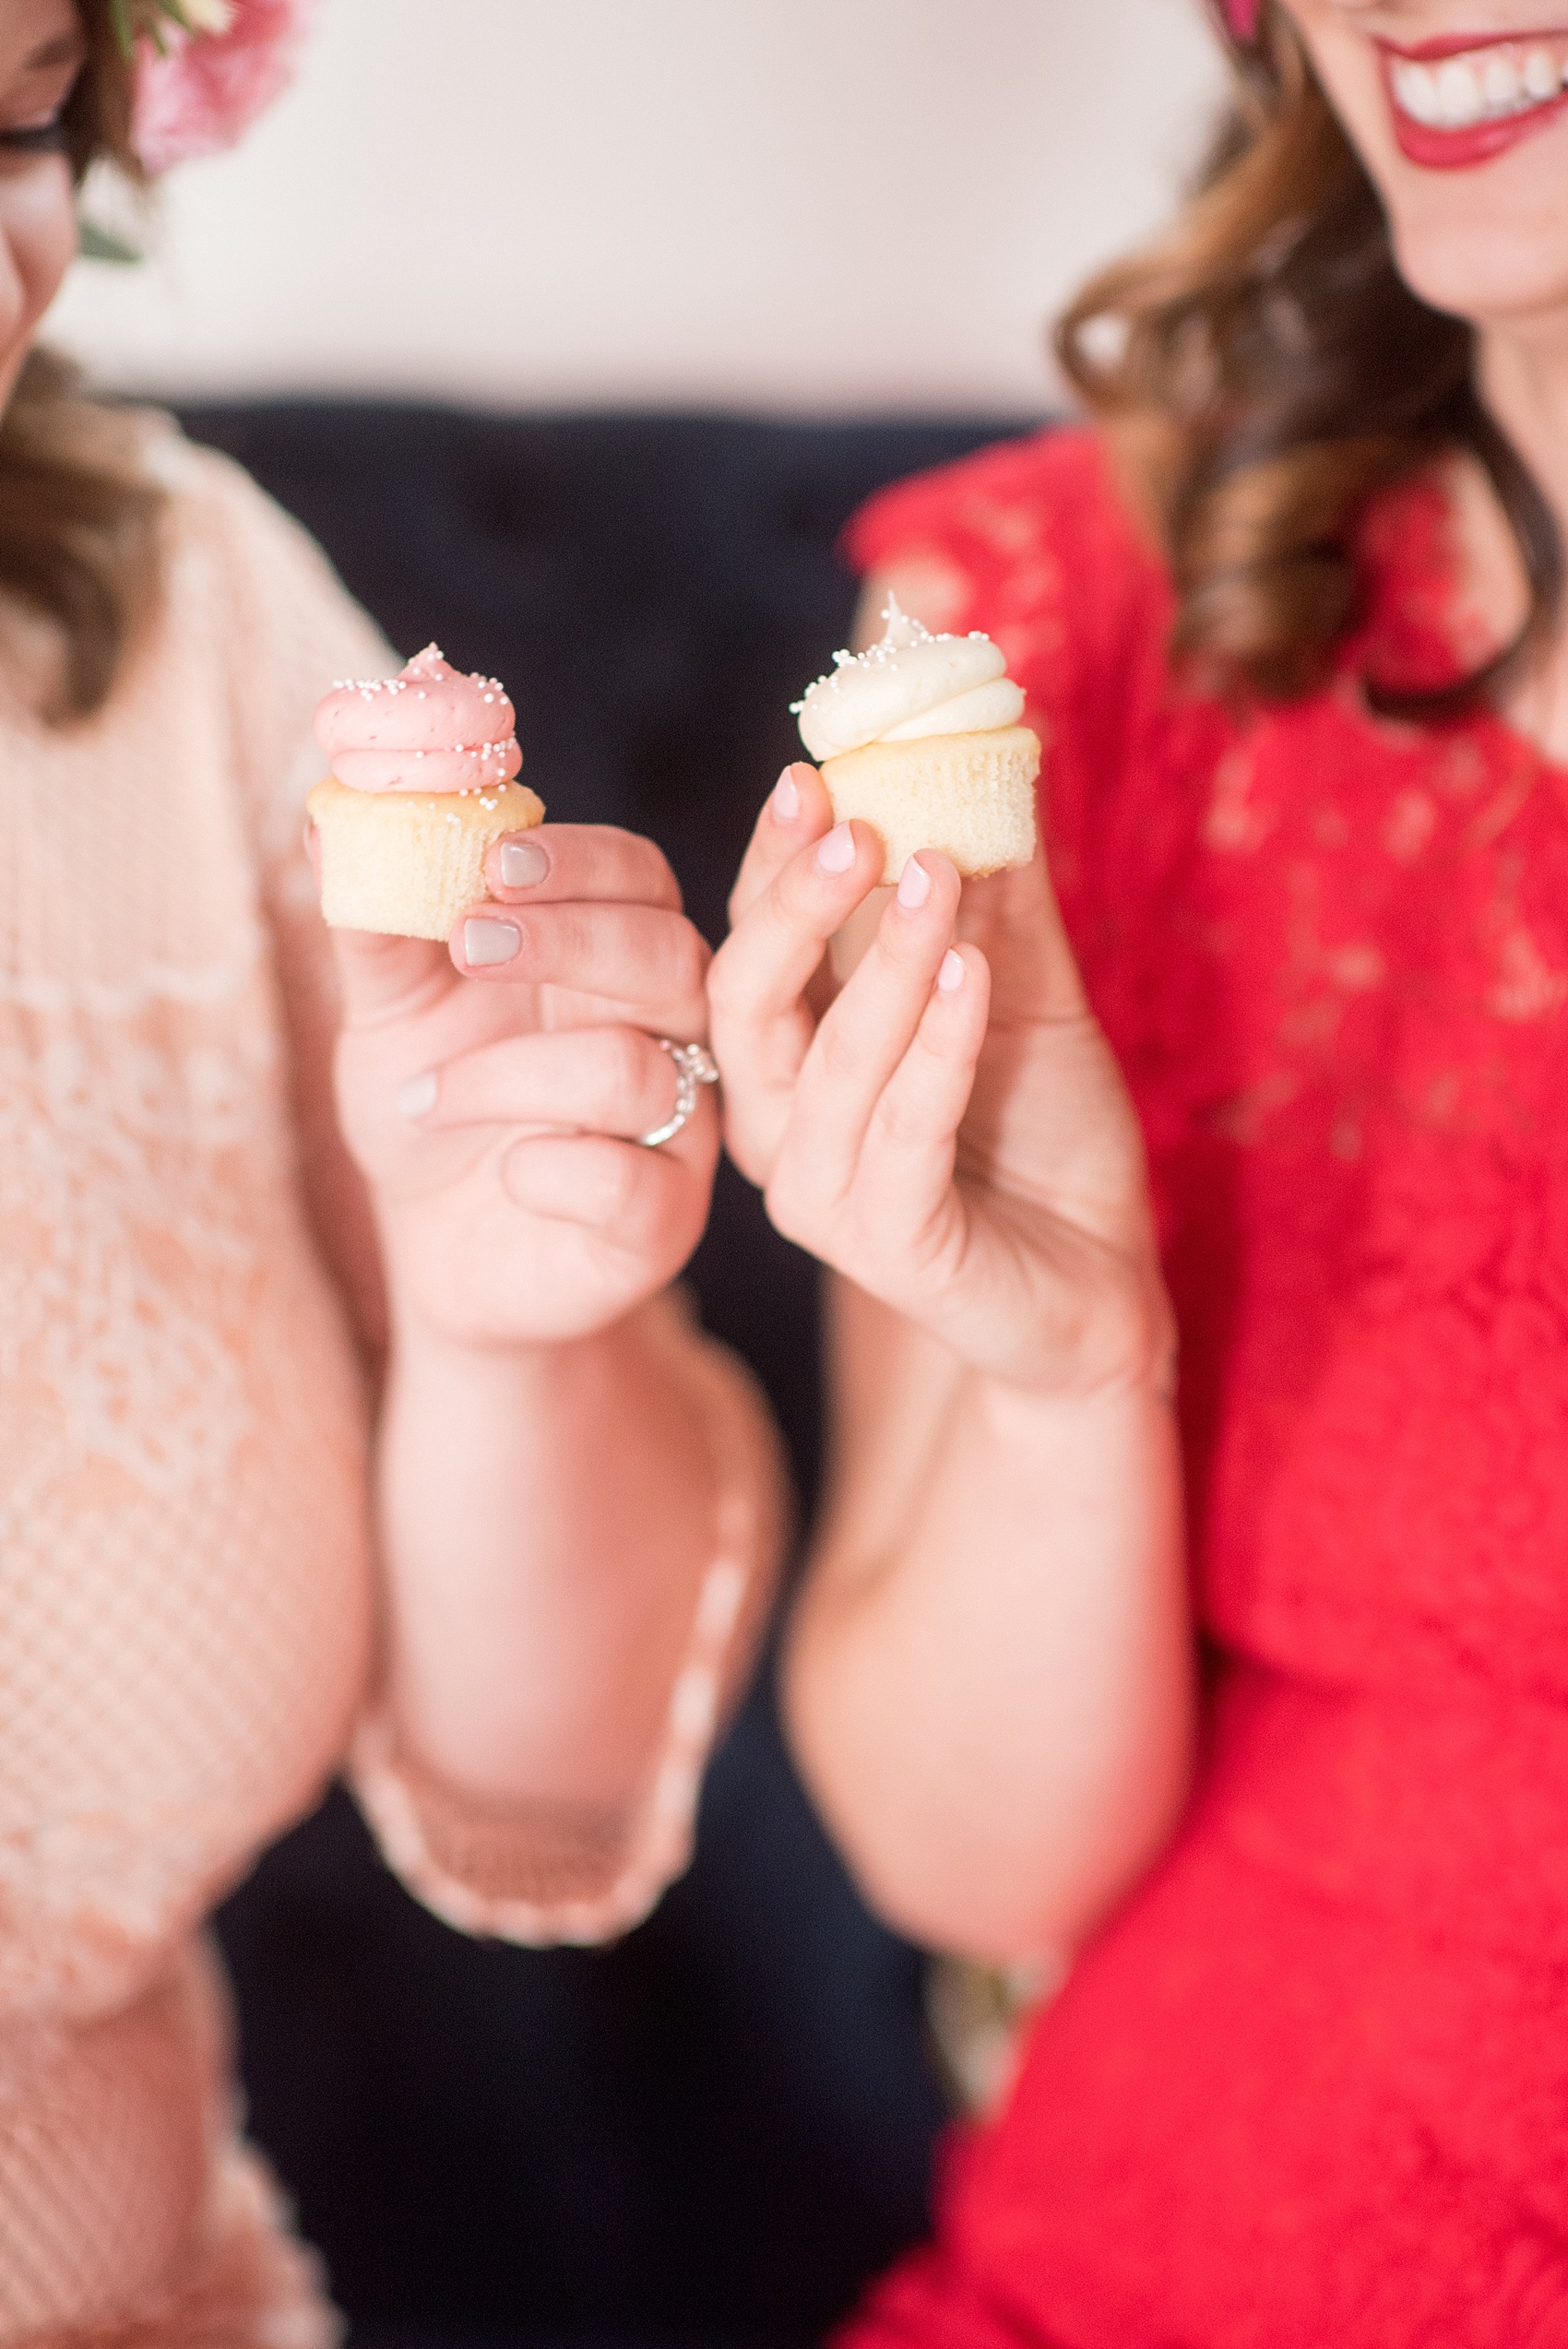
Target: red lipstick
(1456, 44)
(1439, 148)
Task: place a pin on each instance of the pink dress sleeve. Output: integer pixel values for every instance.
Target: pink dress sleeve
(533, 1873)
(545, 1873)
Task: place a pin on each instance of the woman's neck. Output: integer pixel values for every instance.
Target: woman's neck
(1522, 379)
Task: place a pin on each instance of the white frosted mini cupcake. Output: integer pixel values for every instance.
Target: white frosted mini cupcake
(919, 737)
(421, 783)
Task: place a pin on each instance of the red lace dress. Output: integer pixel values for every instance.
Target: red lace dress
(1309, 2087)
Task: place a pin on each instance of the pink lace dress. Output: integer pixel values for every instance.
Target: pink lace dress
(186, 1610)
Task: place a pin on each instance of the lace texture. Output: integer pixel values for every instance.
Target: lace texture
(1282, 2099)
(185, 1571)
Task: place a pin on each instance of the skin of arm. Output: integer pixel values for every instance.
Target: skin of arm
(987, 1679)
(989, 1675)
(551, 1426)
(547, 1514)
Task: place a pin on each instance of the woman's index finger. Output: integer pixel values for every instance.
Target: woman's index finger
(796, 811)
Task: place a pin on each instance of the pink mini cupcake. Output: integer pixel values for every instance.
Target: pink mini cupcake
(421, 783)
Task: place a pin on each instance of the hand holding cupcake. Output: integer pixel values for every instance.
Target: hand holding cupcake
(502, 1124)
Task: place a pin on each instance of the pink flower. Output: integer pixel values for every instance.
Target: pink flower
(1241, 16)
(209, 88)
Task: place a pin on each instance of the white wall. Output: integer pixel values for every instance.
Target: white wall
(827, 205)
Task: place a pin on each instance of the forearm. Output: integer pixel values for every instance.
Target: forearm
(548, 1515)
(995, 1707)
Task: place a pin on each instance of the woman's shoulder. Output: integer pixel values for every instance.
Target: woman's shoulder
(1063, 472)
(253, 580)
(996, 513)
(255, 624)
(1035, 542)
(265, 556)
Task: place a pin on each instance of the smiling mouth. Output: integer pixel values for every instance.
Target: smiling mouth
(1456, 86)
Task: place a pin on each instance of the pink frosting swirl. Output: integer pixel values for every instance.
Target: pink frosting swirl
(428, 729)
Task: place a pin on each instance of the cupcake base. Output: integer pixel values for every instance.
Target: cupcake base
(408, 863)
(973, 796)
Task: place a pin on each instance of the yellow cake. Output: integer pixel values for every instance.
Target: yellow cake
(408, 863)
(919, 737)
(973, 796)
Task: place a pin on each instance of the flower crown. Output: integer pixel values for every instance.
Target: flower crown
(205, 69)
(202, 71)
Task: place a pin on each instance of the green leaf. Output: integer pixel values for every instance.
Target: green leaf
(99, 244)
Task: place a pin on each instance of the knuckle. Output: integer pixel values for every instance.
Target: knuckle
(790, 1199)
(624, 1064)
(614, 1183)
(903, 1123)
(749, 1136)
(690, 957)
(784, 896)
(580, 937)
(726, 989)
(902, 947)
(655, 872)
(840, 1058)
(783, 1204)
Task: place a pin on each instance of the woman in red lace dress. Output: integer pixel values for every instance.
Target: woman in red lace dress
(1287, 1079)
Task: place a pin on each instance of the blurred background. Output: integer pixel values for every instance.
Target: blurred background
(574, 330)
(811, 206)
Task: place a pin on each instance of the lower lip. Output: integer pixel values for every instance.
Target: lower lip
(1460, 151)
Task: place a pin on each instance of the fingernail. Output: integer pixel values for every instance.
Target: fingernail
(416, 1095)
(786, 799)
(914, 886)
(837, 853)
(490, 942)
(523, 862)
(950, 978)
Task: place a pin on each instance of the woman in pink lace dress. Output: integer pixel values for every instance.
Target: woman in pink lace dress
(524, 1638)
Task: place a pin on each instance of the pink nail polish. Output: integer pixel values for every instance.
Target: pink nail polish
(914, 886)
(416, 1095)
(837, 853)
(786, 799)
(486, 942)
(950, 978)
(523, 864)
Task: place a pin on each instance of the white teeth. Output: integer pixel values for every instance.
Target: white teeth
(1541, 79)
(1474, 88)
(1416, 91)
(1500, 84)
(1459, 100)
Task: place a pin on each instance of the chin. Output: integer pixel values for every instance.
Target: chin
(1490, 275)
(1476, 207)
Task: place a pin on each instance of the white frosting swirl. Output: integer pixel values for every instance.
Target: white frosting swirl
(909, 685)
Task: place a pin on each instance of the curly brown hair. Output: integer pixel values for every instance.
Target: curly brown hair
(79, 536)
(1264, 371)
